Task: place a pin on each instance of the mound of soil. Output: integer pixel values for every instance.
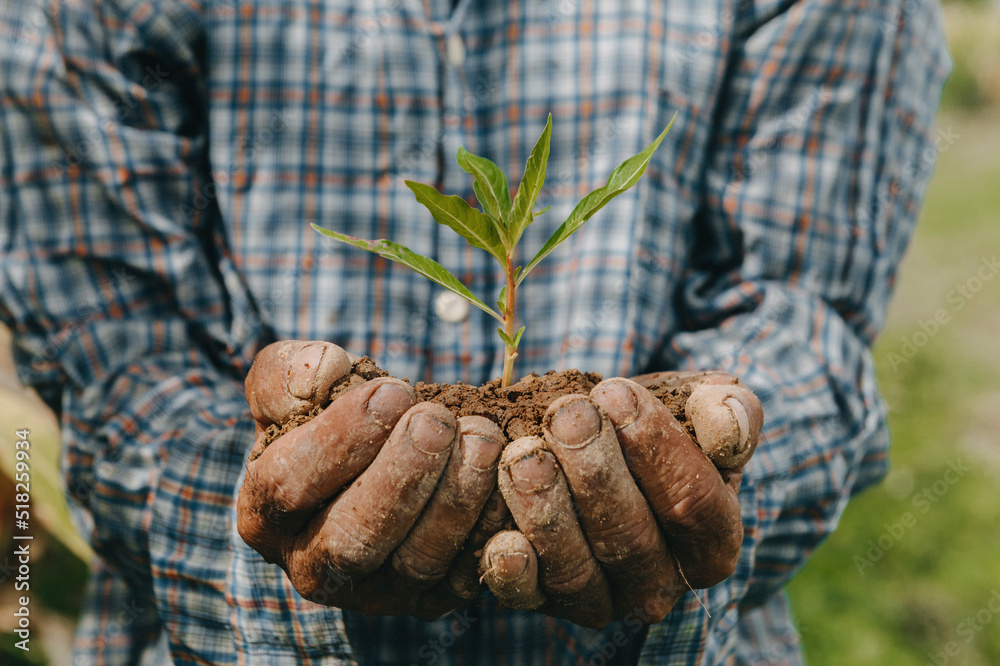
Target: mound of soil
(517, 409)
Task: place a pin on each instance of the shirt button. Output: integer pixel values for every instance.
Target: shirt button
(456, 50)
(451, 308)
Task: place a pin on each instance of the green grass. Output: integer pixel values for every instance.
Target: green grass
(914, 602)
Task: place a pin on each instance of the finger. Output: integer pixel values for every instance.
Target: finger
(539, 499)
(463, 581)
(463, 578)
(307, 466)
(292, 376)
(727, 419)
(698, 512)
(259, 437)
(355, 533)
(466, 484)
(510, 569)
(678, 378)
(619, 525)
(461, 584)
(470, 474)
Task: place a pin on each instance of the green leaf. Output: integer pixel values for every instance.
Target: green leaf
(517, 337)
(544, 210)
(531, 184)
(511, 344)
(502, 299)
(429, 268)
(506, 338)
(466, 221)
(48, 498)
(490, 186)
(622, 178)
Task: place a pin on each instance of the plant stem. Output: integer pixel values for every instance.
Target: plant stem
(508, 322)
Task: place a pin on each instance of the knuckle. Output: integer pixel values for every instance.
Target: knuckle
(570, 579)
(304, 584)
(687, 513)
(655, 608)
(301, 570)
(727, 552)
(251, 531)
(725, 568)
(316, 578)
(714, 570)
(258, 503)
(633, 547)
(282, 488)
(351, 545)
(690, 506)
(420, 570)
(276, 503)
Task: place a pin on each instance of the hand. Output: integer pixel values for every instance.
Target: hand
(618, 510)
(368, 505)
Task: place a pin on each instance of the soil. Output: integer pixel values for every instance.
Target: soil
(517, 409)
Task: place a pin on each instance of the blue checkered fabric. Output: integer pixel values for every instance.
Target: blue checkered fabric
(160, 163)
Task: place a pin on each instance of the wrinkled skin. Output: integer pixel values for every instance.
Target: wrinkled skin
(386, 506)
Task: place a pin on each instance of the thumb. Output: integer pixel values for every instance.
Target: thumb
(290, 377)
(727, 419)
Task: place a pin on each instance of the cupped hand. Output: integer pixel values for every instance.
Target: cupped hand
(378, 504)
(619, 512)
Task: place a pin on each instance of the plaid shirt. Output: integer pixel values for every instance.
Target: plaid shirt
(160, 163)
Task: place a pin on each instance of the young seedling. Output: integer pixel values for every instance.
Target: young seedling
(497, 228)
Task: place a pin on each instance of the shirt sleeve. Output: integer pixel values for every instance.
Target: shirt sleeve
(823, 145)
(129, 315)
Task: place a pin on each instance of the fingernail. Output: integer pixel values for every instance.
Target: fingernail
(388, 404)
(430, 434)
(302, 371)
(507, 566)
(534, 472)
(575, 424)
(722, 424)
(742, 419)
(618, 401)
(480, 453)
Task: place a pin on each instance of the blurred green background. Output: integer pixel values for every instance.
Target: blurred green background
(912, 576)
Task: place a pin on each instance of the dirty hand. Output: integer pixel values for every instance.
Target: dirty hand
(412, 488)
(617, 508)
